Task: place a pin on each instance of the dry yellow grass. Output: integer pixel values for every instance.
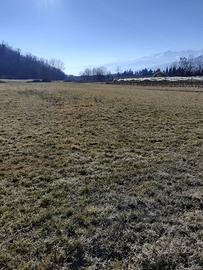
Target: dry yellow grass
(99, 176)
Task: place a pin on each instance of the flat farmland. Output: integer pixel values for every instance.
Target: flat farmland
(96, 176)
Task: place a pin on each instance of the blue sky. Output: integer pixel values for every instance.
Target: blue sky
(96, 32)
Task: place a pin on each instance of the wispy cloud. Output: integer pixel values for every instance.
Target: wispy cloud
(48, 3)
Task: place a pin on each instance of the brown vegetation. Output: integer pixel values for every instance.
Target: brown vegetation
(100, 177)
(162, 83)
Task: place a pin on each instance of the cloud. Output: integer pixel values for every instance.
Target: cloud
(48, 3)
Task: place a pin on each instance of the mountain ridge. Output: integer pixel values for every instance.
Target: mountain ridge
(154, 61)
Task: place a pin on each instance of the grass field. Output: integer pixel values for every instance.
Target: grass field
(99, 176)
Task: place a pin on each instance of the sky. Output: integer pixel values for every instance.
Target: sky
(85, 33)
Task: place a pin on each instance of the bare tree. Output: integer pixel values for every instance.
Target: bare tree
(57, 63)
(87, 72)
(186, 65)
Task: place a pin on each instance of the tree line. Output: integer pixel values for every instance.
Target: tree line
(185, 67)
(99, 74)
(15, 65)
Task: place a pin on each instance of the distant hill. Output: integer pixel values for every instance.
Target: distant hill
(155, 61)
(15, 65)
